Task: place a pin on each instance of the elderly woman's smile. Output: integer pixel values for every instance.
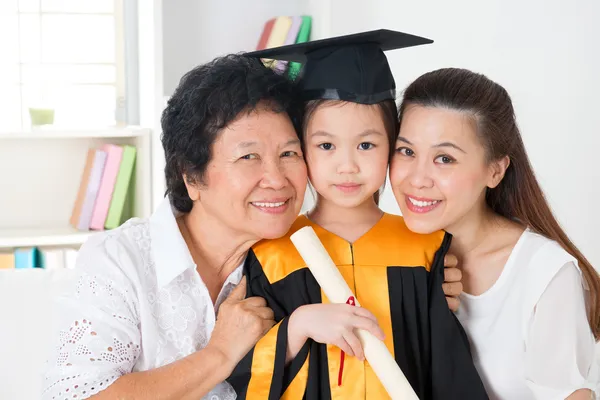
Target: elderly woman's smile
(274, 206)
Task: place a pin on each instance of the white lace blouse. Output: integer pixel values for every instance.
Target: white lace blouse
(138, 304)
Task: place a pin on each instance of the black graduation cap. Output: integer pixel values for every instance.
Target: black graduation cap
(351, 67)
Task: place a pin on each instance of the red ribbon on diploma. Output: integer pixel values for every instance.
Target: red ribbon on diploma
(352, 302)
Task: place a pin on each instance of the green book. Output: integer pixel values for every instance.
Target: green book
(303, 36)
(119, 207)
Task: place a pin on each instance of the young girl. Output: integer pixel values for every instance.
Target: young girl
(460, 165)
(349, 130)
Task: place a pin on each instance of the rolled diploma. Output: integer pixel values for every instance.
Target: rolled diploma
(337, 291)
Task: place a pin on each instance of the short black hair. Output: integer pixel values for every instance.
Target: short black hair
(208, 98)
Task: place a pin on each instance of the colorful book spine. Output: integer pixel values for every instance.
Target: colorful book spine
(107, 185)
(92, 191)
(7, 260)
(279, 33)
(85, 178)
(124, 181)
(303, 36)
(281, 27)
(27, 258)
(52, 258)
(291, 38)
(266, 33)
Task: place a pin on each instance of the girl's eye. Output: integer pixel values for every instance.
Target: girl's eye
(326, 146)
(366, 146)
(405, 151)
(444, 159)
(249, 156)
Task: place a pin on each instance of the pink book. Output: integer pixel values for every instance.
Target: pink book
(107, 184)
(91, 190)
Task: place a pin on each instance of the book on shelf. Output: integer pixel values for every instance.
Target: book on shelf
(292, 36)
(266, 33)
(303, 36)
(278, 34)
(7, 260)
(121, 203)
(40, 258)
(105, 192)
(284, 30)
(58, 258)
(85, 177)
(88, 190)
(28, 257)
(107, 185)
(53, 258)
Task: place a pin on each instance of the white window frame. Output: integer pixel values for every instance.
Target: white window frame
(126, 60)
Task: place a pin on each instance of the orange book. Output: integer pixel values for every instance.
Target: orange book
(7, 260)
(266, 33)
(89, 162)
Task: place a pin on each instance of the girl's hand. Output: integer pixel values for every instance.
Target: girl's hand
(333, 324)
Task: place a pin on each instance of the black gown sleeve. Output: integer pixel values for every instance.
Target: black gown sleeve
(262, 373)
(453, 374)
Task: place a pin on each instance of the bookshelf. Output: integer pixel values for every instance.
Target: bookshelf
(60, 236)
(72, 133)
(40, 173)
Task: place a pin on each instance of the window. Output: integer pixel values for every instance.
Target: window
(66, 55)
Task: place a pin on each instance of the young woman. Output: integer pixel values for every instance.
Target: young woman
(349, 131)
(460, 165)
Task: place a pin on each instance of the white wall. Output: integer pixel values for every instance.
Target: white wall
(544, 52)
(195, 32)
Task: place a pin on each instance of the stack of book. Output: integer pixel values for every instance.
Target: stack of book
(34, 257)
(281, 31)
(104, 197)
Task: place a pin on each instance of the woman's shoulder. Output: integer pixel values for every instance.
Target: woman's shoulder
(117, 251)
(539, 259)
(131, 233)
(539, 252)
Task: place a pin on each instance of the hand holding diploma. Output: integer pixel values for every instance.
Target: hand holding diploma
(337, 291)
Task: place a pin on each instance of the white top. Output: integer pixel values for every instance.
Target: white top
(139, 304)
(529, 333)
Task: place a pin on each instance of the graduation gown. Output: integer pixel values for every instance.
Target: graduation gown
(394, 273)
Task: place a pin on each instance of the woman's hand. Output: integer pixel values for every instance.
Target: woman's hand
(333, 324)
(240, 324)
(452, 285)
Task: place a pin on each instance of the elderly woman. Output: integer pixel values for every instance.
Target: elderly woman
(141, 321)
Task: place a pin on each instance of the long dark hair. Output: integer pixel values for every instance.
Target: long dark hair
(519, 196)
(388, 111)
